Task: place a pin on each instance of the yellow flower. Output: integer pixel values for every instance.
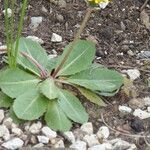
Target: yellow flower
(98, 1)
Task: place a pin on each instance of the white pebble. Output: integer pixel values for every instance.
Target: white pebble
(70, 136)
(17, 131)
(35, 22)
(39, 145)
(91, 140)
(133, 73)
(56, 38)
(9, 12)
(1, 115)
(13, 144)
(43, 139)
(8, 122)
(35, 39)
(79, 145)
(59, 144)
(148, 109)
(4, 132)
(105, 146)
(141, 114)
(146, 101)
(103, 132)
(125, 109)
(35, 127)
(87, 128)
(49, 133)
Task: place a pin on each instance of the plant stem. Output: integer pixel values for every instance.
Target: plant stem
(20, 29)
(86, 18)
(43, 72)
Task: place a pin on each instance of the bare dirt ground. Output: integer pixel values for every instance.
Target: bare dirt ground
(118, 31)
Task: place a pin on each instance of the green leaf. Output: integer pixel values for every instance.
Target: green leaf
(98, 79)
(34, 50)
(72, 107)
(108, 94)
(5, 101)
(79, 59)
(55, 117)
(12, 115)
(15, 82)
(30, 105)
(91, 96)
(49, 89)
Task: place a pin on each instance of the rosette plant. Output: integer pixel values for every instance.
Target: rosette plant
(40, 86)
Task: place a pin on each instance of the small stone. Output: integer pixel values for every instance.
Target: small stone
(87, 128)
(133, 73)
(141, 114)
(79, 134)
(35, 22)
(49, 133)
(125, 109)
(13, 144)
(4, 132)
(91, 140)
(62, 3)
(59, 144)
(24, 137)
(35, 127)
(105, 146)
(79, 145)
(35, 39)
(17, 131)
(9, 12)
(60, 18)
(44, 9)
(148, 109)
(33, 139)
(39, 145)
(132, 147)
(13, 125)
(3, 49)
(121, 145)
(1, 115)
(103, 132)
(146, 101)
(136, 103)
(129, 52)
(70, 136)
(125, 48)
(56, 38)
(43, 139)
(8, 122)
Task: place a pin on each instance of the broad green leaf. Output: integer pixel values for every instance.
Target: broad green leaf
(51, 64)
(5, 101)
(34, 50)
(55, 117)
(15, 82)
(30, 105)
(79, 59)
(15, 119)
(72, 107)
(49, 89)
(91, 96)
(98, 79)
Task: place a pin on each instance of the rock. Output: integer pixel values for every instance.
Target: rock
(39, 145)
(9, 12)
(13, 144)
(103, 132)
(79, 145)
(60, 18)
(8, 122)
(56, 38)
(35, 127)
(91, 140)
(141, 114)
(144, 54)
(146, 101)
(105, 146)
(132, 147)
(70, 136)
(79, 134)
(129, 52)
(35, 39)
(62, 3)
(148, 109)
(44, 9)
(59, 144)
(87, 128)
(121, 145)
(3, 49)
(133, 73)
(35, 22)
(4, 132)
(125, 109)
(49, 133)
(1, 115)
(136, 103)
(43, 139)
(17, 131)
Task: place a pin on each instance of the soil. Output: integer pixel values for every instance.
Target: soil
(117, 29)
